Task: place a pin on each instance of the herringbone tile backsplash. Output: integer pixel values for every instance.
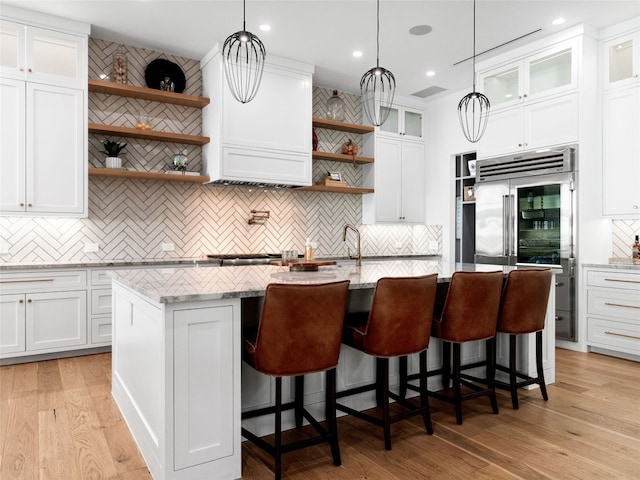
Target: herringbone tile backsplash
(624, 232)
(130, 219)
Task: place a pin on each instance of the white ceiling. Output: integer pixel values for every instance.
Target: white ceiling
(325, 33)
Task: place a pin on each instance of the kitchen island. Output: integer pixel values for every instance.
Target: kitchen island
(177, 372)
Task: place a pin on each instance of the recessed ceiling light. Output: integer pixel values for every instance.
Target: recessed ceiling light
(558, 21)
(265, 27)
(357, 53)
(430, 73)
(420, 29)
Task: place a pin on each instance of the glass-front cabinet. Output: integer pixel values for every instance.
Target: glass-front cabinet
(539, 225)
(403, 121)
(622, 60)
(547, 73)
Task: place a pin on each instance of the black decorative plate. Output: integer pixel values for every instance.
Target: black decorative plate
(160, 68)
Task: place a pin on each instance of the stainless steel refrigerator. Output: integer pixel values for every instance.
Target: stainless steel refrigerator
(526, 215)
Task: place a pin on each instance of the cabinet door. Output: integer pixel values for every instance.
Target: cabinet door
(503, 85)
(55, 320)
(551, 122)
(621, 152)
(55, 153)
(622, 61)
(388, 178)
(12, 146)
(55, 57)
(12, 336)
(413, 183)
(12, 36)
(503, 133)
(551, 72)
(403, 121)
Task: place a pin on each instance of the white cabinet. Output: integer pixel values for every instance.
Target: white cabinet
(265, 141)
(43, 168)
(549, 72)
(403, 121)
(398, 178)
(43, 312)
(613, 310)
(42, 55)
(621, 151)
(621, 60)
(540, 124)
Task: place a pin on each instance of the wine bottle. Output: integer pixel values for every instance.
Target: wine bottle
(635, 249)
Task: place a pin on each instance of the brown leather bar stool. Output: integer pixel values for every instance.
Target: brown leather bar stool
(398, 324)
(470, 313)
(523, 310)
(299, 332)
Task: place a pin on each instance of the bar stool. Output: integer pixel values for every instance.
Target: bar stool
(470, 313)
(398, 324)
(523, 311)
(298, 333)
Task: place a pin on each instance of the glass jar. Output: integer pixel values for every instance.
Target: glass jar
(180, 161)
(335, 107)
(120, 68)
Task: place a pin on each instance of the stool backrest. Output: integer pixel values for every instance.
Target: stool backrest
(472, 305)
(401, 316)
(300, 328)
(524, 301)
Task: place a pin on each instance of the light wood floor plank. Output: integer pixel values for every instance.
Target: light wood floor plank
(20, 454)
(55, 438)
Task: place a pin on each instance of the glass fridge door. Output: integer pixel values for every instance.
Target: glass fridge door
(539, 225)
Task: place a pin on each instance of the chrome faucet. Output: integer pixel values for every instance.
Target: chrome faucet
(358, 256)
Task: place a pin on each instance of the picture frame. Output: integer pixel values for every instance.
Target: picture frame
(469, 193)
(335, 176)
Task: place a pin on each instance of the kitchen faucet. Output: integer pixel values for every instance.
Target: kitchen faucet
(358, 256)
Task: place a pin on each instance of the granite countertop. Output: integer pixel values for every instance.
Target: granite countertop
(616, 263)
(173, 285)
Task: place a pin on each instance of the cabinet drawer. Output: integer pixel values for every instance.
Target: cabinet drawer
(101, 301)
(100, 277)
(11, 282)
(613, 303)
(101, 330)
(619, 336)
(614, 279)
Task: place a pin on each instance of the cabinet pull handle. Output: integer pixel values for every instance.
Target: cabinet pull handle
(621, 305)
(621, 335)
(622, 281)
(28, 281)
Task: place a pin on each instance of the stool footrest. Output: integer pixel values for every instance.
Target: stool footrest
(355, 390)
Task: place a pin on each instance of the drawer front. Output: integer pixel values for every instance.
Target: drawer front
(100, 330)
(13, 282)
(100, 277)
(619, 336)
(625, 280)
(612, 303)
(101, 301)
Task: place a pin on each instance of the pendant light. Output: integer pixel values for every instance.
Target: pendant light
(243, 55)
(377, 87)
(473, 109)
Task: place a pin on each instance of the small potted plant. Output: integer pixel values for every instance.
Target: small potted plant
(112, 151)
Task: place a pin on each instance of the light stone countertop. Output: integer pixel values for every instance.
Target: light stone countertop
(616, 263)
(174, 285)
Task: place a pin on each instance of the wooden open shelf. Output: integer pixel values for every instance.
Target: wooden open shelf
(341, 126)
(325, 188)
(148, 134)
(338, 157)
(144, 93)
(166, 177)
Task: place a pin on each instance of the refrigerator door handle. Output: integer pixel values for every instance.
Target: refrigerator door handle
(512, 224)
(505, 225)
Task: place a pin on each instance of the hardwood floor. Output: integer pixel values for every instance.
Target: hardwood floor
(59, 422)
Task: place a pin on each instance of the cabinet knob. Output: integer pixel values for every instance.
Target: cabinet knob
(30, 70)
(635, 207)
(29, 205)
(29, 301)
(526, 144)
(21, 301)
(519, 144)
(22, 204)
(21, 69)
(519, 97)
(525, 95)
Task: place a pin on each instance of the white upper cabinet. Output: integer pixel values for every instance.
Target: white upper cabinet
(42, 55)
(265, 141)
(403, 121)
(549, 72)
(620, 53)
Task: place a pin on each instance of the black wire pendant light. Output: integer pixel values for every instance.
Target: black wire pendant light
(244, 55)
(473, 109)
(377, 87)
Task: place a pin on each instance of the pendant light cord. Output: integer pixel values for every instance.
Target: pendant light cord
(378, 35)
(474, 45)
(244, 17)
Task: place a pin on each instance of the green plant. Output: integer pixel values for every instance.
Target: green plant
(112, 149)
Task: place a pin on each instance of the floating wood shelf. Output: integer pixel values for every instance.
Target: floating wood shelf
(166, 177)
(341, 126)
(338, 157)
(325, 188)
(143, 93)
(148, 134)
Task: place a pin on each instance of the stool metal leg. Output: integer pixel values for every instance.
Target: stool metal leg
(513, 381)
(539, 367)
(330, 415)
(278, 427)
(383, 382)
(299, 400)
(424, 397)
(457, 387)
